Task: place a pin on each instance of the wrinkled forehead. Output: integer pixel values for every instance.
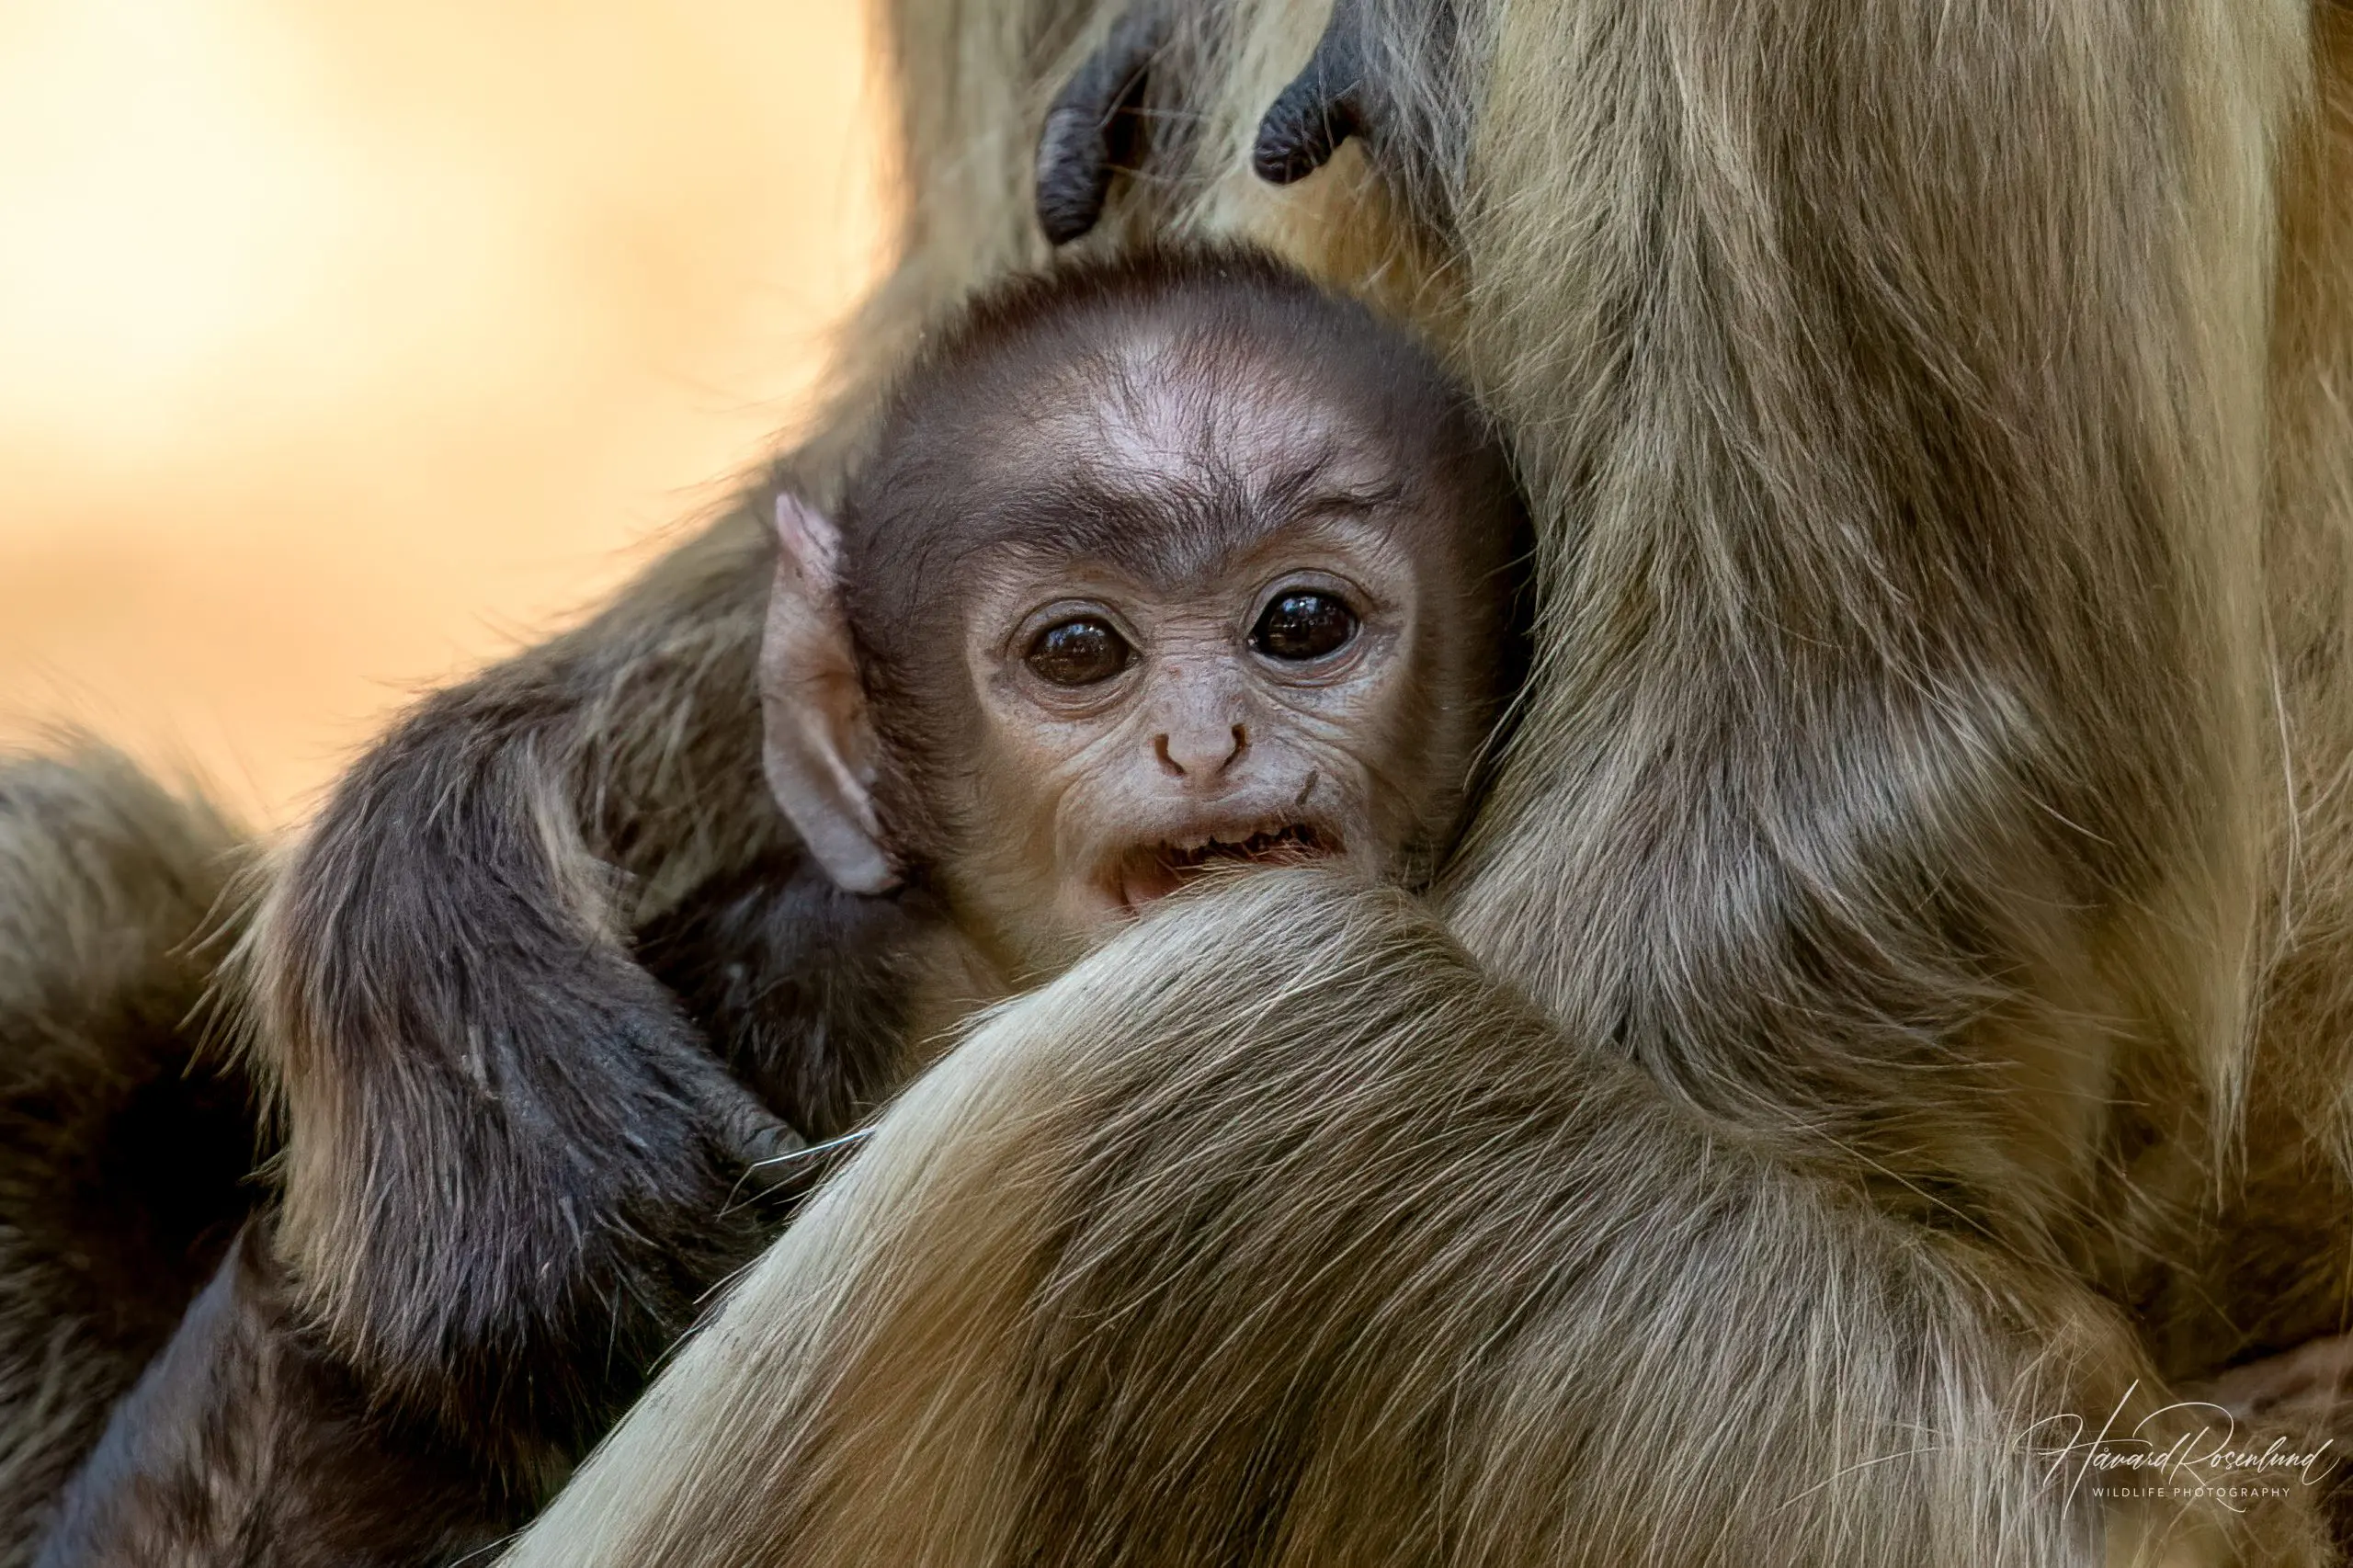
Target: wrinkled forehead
(1166, 455)
(1161, 402)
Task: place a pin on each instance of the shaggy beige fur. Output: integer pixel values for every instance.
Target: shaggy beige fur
(1901, 998)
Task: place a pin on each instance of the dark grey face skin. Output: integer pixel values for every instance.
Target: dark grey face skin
(1158, 568)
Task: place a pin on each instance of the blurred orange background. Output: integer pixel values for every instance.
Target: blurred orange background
(345, 344)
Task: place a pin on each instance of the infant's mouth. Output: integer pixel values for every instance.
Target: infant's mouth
(1154, 871)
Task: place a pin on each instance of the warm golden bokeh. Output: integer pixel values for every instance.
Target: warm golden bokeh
(346, 343)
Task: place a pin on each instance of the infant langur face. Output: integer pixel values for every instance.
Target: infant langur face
(1156, 569)
(1231, 663)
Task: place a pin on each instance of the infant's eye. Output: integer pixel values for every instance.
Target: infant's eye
(1080, 652)
(1303, 625)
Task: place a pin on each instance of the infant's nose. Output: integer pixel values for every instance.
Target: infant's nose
(1200, 754)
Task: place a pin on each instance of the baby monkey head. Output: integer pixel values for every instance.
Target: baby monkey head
(1158, 565)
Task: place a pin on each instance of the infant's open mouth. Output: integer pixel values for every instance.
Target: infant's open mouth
(1155, 871)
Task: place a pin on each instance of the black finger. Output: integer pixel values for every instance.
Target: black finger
(1323, 105)
(1096, 127)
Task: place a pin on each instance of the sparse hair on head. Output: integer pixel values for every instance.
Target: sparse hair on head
(1007, 370)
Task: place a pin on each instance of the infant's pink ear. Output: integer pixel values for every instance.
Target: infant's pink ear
(810, 541)
(819, 747)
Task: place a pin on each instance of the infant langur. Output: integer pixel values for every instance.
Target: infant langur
(1155, 566)
(1158, 565)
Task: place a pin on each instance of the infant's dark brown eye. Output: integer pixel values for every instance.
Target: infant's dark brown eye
(1077, 653)
(1301, 626)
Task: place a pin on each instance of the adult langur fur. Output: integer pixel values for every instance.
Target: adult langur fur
(1921, 874)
